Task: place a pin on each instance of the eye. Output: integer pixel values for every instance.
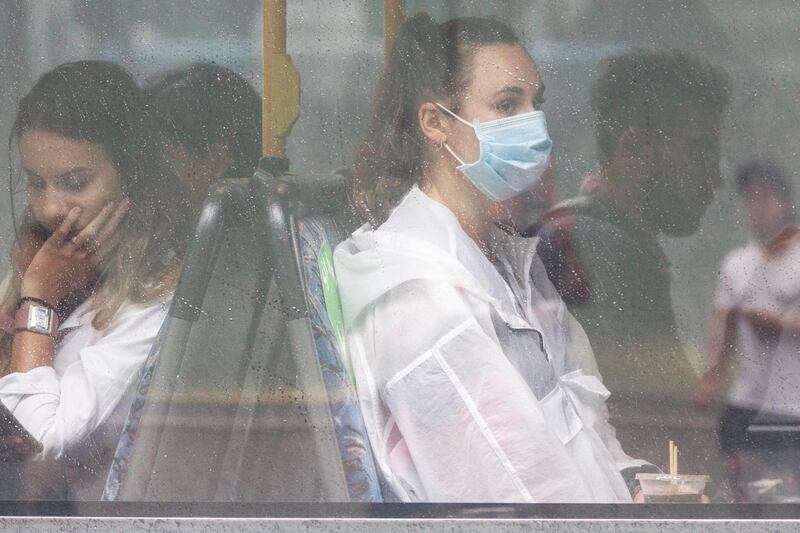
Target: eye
(75, 182)
(34, 184)
(507, 106)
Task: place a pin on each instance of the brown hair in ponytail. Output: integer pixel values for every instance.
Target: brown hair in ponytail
(429, 61)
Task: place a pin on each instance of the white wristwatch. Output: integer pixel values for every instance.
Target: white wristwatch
(36, 317)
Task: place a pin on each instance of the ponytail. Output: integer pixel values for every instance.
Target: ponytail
(390, 157)
(429, 62)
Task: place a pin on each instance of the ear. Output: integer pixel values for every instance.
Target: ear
(434, 127)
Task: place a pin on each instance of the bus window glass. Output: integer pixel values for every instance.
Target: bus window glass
(467, 252)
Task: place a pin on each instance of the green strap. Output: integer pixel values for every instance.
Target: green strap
(330, 290)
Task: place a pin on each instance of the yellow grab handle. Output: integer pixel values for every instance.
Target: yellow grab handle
(281, 104)
(394, 13)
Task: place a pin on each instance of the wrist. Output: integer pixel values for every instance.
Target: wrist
(33, 289)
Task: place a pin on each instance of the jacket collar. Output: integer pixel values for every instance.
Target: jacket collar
(422, 239)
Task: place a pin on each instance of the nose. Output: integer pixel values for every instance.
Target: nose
(53, 207)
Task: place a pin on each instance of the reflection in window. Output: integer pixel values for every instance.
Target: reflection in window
(663, 217)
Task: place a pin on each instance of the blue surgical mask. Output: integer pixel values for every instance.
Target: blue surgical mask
(514, 154)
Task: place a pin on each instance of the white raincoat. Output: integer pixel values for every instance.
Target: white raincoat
(468, 383)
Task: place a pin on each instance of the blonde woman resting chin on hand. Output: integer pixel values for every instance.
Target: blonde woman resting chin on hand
(95, 261)
(467, 365)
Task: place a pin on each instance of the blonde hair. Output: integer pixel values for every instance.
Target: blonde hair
(99, 103)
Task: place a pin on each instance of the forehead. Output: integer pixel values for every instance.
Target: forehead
(49, 154)
(495, 66)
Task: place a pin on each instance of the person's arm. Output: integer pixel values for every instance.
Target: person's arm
(720, 331)
(62, 411)
(60, 267)
(52, 270)
(766, 323)
(473, 428)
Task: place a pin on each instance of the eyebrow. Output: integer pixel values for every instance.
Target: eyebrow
(510, 89)
(76, 170)
(519, 90)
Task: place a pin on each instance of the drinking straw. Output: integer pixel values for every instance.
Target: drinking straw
(671, 458)
(673, 462)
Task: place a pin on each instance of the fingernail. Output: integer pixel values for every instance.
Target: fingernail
(77, 210)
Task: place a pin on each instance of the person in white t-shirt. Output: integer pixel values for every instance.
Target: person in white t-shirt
(756, 320)
(94, 264)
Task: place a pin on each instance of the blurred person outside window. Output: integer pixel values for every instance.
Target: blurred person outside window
(465, 360)
(210, 120)
(754, 328)
(98, 252)
(658, 116)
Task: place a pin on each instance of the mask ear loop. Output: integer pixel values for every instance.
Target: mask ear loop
(455, 116)
(446, 146)
(452, 153)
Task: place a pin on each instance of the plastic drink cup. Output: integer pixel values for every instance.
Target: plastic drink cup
(664, 488)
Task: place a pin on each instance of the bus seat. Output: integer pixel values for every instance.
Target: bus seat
(236, 407)
(317, 210)
(208, 290)
(245, 396)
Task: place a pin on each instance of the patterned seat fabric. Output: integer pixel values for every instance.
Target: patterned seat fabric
(119, 465)
(362, 478)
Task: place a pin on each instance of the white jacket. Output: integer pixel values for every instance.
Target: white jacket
(468, 383)
(77, 407)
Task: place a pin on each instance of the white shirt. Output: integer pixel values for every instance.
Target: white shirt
(768, 371)
(68, 407)
(468, 384)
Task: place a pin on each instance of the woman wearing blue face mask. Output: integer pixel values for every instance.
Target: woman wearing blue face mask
(465, 360)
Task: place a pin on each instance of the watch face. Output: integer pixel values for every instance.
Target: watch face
(39, 318)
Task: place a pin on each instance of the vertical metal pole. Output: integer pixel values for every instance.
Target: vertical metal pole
(394, 13)
(273, 144)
